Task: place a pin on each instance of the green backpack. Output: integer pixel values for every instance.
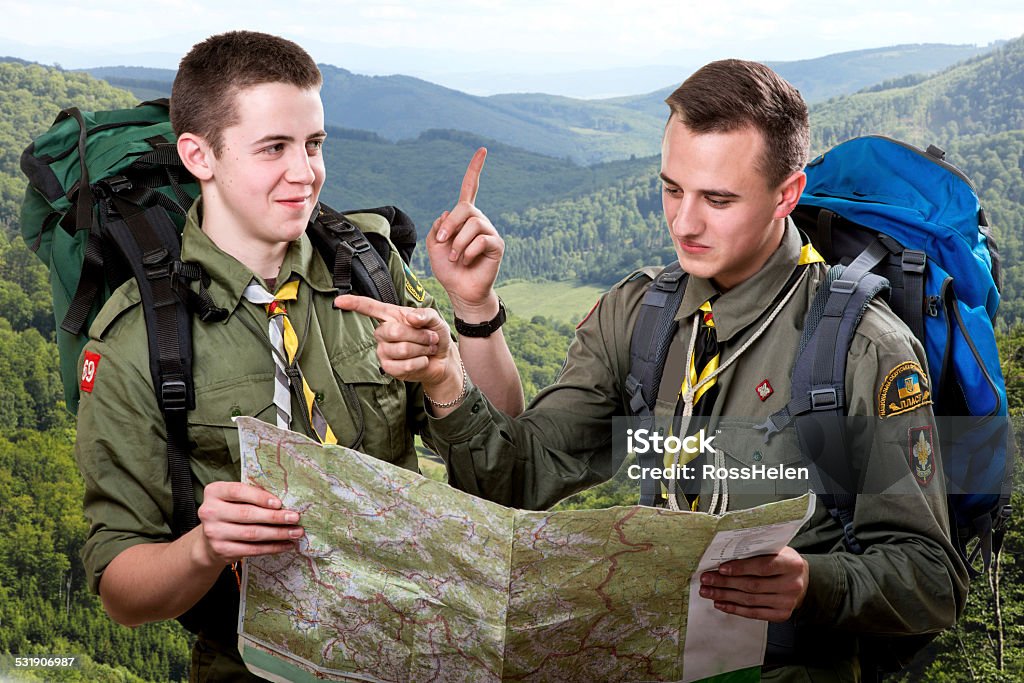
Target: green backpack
(60, 219)
(107, 200)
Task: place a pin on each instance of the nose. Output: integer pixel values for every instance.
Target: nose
(300, 168)
(684, 217)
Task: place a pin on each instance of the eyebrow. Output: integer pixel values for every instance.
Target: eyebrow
(707, 193)
(288, 138)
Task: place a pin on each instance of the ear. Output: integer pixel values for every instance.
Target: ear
(197, 155)
(789, 193)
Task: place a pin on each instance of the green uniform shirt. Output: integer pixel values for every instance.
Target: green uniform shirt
(910, 579)
(121, 447)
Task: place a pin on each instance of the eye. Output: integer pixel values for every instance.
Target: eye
(273, 149)
(718, 203)
(313, 147)
(673, 191)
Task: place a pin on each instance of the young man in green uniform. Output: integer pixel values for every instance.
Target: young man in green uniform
(732, 158)
(246, 107)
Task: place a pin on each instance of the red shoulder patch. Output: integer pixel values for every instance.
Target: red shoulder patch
(587, 316)
(89, 367)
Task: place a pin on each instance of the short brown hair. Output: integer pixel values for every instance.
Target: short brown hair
(215, 70)
(730, 94)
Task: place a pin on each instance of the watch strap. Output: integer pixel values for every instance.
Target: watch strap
(484, 329)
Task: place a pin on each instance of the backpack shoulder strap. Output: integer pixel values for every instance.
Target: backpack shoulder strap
(648, 351)
(356, 263)
(817, 404)
(149, 241)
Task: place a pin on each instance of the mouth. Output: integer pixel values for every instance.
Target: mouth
(294, 202)
(691, 247)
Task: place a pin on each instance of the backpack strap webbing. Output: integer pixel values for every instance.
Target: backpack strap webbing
(402, 232)
(817, 404)
(357, 266)
(149, 241)
(648, 349)
(912, 263)
(92, 266)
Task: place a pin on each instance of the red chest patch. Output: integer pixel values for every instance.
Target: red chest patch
(764, 390)
(89, 366)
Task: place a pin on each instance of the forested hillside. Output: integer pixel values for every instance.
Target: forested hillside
(45, 607)
(423, 175)
(29, 97)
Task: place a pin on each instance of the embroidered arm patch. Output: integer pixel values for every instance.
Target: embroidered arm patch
(905, 388)
(921, 451)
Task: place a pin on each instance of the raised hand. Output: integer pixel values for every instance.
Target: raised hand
(465, 250)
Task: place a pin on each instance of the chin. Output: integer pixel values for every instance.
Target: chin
(291, 231)
(696, 267)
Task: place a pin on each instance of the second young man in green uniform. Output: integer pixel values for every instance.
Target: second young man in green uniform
(732, 158)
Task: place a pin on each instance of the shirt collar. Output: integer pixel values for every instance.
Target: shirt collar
(229, 277)
(746, 302)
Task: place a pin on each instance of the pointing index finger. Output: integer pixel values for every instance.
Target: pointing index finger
(471, 182)
(368, 306)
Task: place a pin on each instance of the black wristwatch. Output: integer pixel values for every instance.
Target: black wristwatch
(484, 329)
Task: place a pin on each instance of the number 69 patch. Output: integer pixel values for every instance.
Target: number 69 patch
(89, 366)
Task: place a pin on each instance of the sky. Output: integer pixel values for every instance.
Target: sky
(481, 45)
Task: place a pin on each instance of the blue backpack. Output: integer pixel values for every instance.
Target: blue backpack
(900, 221)
(879, 205)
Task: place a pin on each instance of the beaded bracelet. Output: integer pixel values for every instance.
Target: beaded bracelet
(458, 399)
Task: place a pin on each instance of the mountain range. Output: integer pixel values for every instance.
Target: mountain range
(586, 131)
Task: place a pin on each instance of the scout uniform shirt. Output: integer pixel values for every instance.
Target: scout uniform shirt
(121, 446)
(909, 580)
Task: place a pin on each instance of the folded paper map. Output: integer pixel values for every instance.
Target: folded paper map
(402, 578)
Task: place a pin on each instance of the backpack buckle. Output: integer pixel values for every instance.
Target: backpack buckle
(824, 399)
(668, 282)
(913, 261)
(118, 183)
(173, 394)
(156, 265)
(357, 246)
(843, 286)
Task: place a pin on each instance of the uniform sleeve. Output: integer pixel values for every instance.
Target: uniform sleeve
(121, 452)
(411, 293)
(562, 443)
(909, 579)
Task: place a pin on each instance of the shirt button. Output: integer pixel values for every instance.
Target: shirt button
(236, 411)
(319, 397)
(476, 407)
(757, 455)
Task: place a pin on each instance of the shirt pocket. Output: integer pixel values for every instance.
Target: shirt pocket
(376, 404)
(758, 472)
(214, 437)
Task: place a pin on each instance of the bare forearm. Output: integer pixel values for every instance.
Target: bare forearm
(490, 365)
(157, 581)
